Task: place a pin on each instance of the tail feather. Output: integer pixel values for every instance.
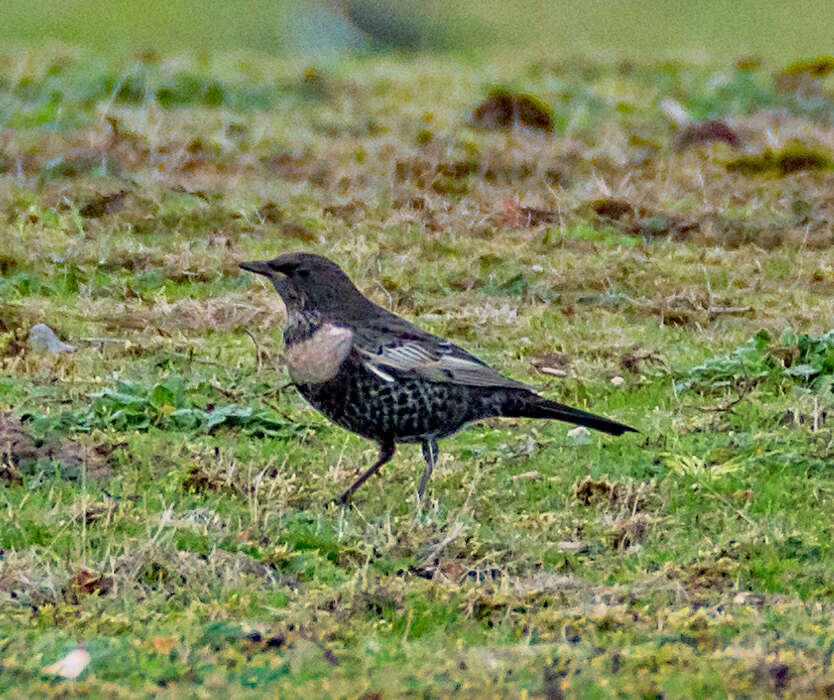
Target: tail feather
(538, 407)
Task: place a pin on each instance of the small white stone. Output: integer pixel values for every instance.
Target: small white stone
(43, 339)
(580, 435)
(675, 111)
(71, 666)
(617, 381)
(553, 371)
(571, 546)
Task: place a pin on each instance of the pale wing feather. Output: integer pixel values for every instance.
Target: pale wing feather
(444, 363)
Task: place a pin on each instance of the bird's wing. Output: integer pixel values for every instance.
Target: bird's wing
(407, 350)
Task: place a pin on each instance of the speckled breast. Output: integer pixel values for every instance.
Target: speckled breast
(405, 410)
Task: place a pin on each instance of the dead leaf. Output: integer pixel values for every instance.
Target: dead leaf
(639, 221)
(515, 216)
(614, 209)
(507, 110)
(706, 132)
(270, 213)
(553, 364)
(629, 532)
(793, 158)
(104, 204)
(631, 361)
(350, 213)
(591, 492)
(163, 645)
(740, 496)
(527, 476)
(10, 476)
(84, 584)
(805, 77)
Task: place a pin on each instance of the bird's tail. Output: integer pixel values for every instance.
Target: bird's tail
(539, 407)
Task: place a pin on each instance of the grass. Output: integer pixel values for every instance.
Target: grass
(167, 496)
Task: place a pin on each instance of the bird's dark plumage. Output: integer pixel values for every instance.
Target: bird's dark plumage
(380, 376)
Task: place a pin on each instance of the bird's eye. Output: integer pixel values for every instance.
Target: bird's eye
(303, 273)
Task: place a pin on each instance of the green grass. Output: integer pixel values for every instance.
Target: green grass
(173, 512)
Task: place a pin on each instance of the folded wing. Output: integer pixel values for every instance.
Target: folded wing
(412, 352)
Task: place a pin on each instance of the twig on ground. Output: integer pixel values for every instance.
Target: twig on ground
(258, 350)
(745, 388)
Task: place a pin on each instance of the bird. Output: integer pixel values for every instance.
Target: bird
(380, 376)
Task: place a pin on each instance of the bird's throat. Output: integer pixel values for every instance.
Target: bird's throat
(301, 324)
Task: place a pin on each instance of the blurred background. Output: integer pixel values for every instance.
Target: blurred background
(626, 28)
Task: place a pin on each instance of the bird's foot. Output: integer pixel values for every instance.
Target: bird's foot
(343, 498)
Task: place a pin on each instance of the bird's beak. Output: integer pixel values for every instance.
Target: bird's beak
(257, 266)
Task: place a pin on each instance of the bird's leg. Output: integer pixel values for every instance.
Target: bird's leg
(430, 455)
(386, 451)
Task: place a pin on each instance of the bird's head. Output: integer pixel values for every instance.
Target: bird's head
(307, 281)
